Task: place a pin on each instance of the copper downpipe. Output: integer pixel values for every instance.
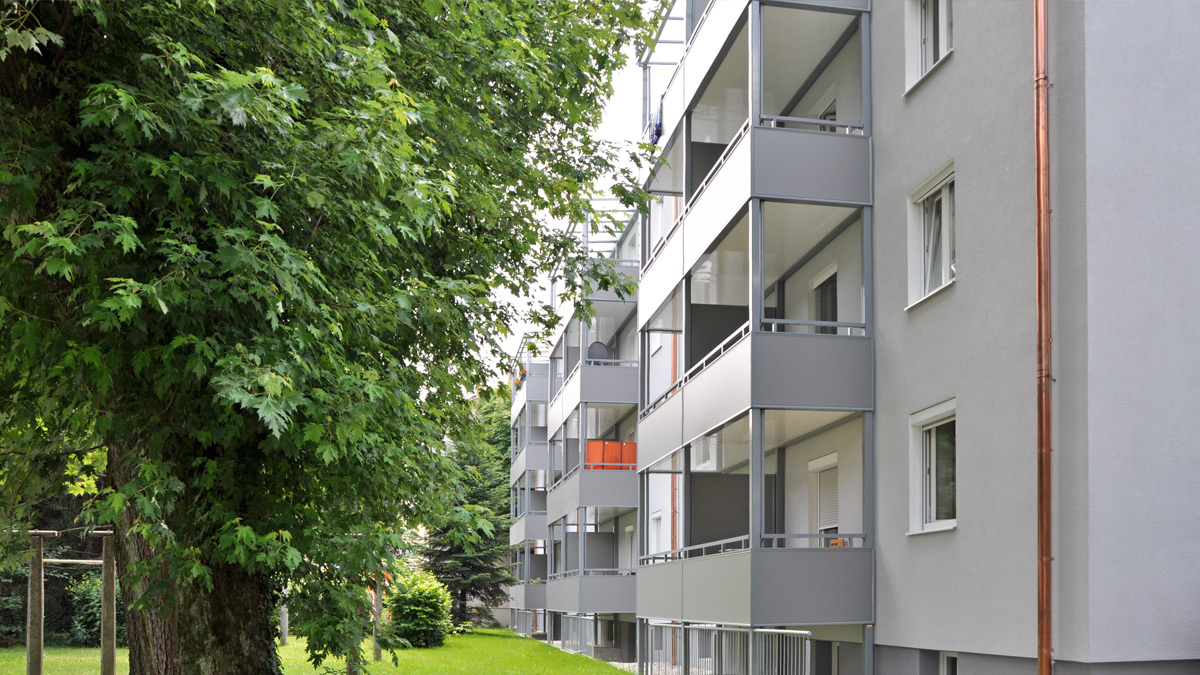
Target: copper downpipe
(1042, 147)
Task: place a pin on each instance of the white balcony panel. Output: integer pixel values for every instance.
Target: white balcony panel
(535, 388)
(535, 455)
(660, 432)
(708, 41)
(528, 527)
(713, 209)
(716, 588)
(797, 370)
(795, 164)
(555, 414)
(661, 277)
(673, 105)
(718, 392)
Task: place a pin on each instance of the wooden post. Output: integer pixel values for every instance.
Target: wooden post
(108, 609)
(35, 611)
(376, 629)
(283, 625)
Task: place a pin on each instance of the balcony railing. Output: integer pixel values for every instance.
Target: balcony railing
(818, 540)
(814, 327)
(700, 365)
(595, 572)
(698, 550)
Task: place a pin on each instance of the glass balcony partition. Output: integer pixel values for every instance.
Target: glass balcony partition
(662, 351)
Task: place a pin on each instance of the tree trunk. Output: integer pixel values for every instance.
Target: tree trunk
(228, 631)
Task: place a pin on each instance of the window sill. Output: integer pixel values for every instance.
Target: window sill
(926, 74)
(932, 293)
(940, 526)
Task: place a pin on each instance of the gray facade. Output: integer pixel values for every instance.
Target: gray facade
(835, 329)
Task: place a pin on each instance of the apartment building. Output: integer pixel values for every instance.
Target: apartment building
(584, 556)
(837, 417)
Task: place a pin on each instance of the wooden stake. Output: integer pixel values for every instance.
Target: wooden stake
(35, 611)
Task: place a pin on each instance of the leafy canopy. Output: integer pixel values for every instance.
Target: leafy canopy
(250, 254)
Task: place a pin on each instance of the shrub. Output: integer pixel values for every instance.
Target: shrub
(421, 610)
(85, 601)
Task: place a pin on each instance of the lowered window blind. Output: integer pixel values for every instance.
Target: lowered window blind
(826, 293)
(827, 498)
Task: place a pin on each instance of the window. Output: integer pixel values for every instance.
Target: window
(933, 462)
(940, 487)
(929, 27)
(826, 303)
(936, 25)
(932, 256)
(947, 663)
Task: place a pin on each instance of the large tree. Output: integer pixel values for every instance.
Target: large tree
(250, 253)
(475, 565)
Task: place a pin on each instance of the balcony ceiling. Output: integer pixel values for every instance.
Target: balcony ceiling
(794, 43)
(791, 231)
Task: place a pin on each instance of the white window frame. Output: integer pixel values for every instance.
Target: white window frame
(815, 467)
(921, 205)
(919, 516)
(921, 32)
(943, 663)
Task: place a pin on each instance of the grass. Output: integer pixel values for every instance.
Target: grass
(62, 661)
(491, 651)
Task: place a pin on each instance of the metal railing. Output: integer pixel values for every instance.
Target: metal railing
(718, 651)
(726, 344)
(814, 327)
(697, 550)
(595, 572)
(695, 196)
(782, 652)
(611, 362)
(825, 126)
(818, 540)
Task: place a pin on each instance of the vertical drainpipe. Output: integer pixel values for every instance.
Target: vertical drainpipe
(1042, 145)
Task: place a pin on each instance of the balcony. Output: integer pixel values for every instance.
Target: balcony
(762, 587)
(595, 591)
(761, 370)
(612, 381)
(530, 525)
(531, 384)
(533, 456)
(527, 595)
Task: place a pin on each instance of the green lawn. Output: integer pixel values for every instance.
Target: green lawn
(490, 652)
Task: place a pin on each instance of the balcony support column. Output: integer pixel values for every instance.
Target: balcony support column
(755, 25)
(757, 216)
(869, 649)
(868, 478)
(686, 490)
(757, 476)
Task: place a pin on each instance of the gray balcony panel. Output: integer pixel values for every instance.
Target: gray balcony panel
(607, 384)
(708, 43)
(660, 590)
(586, 487)
(714, 208)
(608, 593)
(811, 165)
(661, 277)
(628, 270)
(718, 392)
(535, 455)
(716, 588)
(535, 388)
(527, 596)
(562, 595)
(799, 586)
(661, 431)
(528, 527)
(811, 371)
